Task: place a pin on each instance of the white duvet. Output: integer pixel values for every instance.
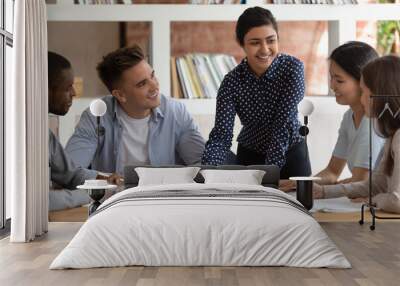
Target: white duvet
(188, 231)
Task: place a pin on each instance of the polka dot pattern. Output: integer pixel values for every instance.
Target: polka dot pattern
(267, 109)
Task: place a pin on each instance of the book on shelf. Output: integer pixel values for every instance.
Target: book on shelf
(187, 87)
(176, 87)
(217, 2)
(184, 78)
(199, 75)
(207, 84)
(94, 2)
(316, 2)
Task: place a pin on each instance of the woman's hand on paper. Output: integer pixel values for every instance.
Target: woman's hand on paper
(359, 200)
(318, 191)
(287, 185)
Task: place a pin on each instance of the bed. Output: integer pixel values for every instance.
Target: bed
(197, 224)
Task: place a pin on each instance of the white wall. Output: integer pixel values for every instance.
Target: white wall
(323, 124)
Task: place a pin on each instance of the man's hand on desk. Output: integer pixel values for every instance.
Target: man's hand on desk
(114, 179)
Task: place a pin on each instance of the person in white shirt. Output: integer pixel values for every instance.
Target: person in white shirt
(352, 146)
(141, 125)
(380, 78)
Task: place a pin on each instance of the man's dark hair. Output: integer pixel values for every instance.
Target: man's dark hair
(353, 56)
(56, 64)
(251, 18)
(112, 66)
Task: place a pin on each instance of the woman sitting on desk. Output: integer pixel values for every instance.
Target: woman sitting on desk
(264, 90)
(352, 146)
(380, 78)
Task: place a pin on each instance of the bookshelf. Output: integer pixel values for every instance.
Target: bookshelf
(341, 21)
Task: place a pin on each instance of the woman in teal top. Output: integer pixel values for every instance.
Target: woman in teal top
(352, 146)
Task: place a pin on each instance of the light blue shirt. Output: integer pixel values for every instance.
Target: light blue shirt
(174, 138)
(353, 143)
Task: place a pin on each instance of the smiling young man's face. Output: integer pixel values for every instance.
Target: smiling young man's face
(138, 90)
(261, 47)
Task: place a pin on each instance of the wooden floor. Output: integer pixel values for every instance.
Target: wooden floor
(375, 257)
(80, 215)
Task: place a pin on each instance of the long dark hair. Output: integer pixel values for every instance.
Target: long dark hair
(382, 77)
(353, 56)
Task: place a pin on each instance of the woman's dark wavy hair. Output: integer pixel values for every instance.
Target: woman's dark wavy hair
(353, 56)
(382, 77)
(251, 18)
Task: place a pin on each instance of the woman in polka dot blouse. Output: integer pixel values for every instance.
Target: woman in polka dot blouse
(264, 90)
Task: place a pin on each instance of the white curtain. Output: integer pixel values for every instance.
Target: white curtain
(26, 124)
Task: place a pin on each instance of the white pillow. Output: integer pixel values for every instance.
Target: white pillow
(248, 177)
(165, 176)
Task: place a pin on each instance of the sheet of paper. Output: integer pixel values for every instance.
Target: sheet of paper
(336, 205)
